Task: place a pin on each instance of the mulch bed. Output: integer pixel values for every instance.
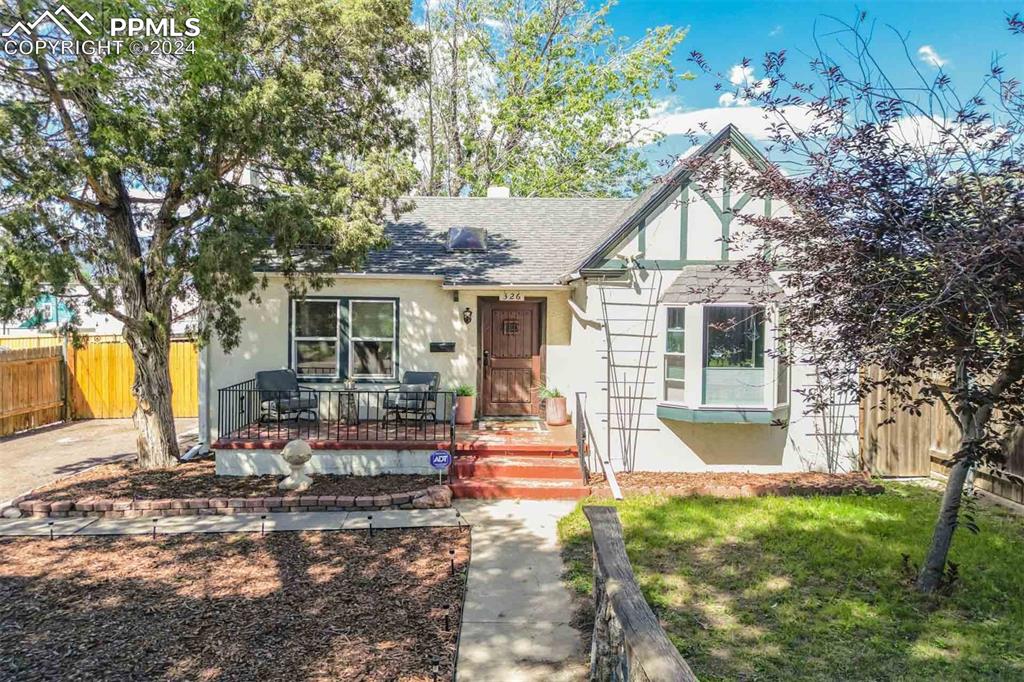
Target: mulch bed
(288, 606)
(197, 479)
(736, 484)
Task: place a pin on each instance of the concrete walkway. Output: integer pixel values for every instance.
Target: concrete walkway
(516, 623)
(37, 457)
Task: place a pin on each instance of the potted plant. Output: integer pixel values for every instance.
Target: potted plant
(555, 412)
(465, 404)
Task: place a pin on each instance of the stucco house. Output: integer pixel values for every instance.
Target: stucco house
(595, 297)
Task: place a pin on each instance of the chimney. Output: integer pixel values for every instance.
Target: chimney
(498, 193)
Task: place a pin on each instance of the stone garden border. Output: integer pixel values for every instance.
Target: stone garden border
(432, 497)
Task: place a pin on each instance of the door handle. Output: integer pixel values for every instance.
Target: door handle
(487, 358)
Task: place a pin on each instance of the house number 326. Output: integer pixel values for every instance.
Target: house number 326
(512, 296)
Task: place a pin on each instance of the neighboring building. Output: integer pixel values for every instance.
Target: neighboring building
(592, 296)
(53, 314)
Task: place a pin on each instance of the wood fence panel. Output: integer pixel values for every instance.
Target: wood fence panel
(31, 392)
(102, 373)
(19, 342)
(923, 445)
(900, 447)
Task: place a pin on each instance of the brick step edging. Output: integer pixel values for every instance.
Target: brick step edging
(432, 497)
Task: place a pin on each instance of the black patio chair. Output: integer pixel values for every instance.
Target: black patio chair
(414, 399)
(282, 398)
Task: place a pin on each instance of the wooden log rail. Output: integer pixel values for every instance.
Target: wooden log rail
(628, 642)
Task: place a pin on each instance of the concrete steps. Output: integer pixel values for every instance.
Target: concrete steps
(518, 471)
(518, 488)
(511, 466)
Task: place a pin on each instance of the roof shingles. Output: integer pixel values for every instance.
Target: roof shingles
(529, 241)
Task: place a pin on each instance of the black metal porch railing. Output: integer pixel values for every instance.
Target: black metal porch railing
(248, 414)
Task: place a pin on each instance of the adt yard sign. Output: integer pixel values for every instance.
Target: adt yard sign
(440, 459)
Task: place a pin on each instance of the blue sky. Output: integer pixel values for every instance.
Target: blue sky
(961, 37)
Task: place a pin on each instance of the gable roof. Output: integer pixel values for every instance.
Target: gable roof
(529, 240)
(658, 191)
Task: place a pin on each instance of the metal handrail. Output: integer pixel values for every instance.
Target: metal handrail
(582, 450)
(583, 428)
(336, 415)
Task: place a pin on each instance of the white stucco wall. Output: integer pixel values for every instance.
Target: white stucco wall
(666, 444)
(427, 312)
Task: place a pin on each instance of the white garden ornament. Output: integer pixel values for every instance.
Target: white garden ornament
(297, 452)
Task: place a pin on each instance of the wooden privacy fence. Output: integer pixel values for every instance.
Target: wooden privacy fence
(31, 389)
(924, 445)
(94, 381)
(102, 371)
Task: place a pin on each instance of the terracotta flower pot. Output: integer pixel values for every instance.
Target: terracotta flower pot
(465, 409)
(556, 413)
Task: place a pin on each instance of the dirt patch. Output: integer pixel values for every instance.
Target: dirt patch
(737, 484)
(197, 479)
(297, 606)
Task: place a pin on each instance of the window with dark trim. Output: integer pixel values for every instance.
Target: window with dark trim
(337, 338)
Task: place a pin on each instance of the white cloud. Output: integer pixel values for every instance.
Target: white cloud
(753, 122)
(740, 74)
(775, 31)
(929, 56)
(742, 77)
(729, 99)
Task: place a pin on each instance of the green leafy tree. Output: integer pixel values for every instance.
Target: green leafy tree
(537, 95)
(153, 178)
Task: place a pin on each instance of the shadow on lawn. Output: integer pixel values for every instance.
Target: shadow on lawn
(320, 605)
(815, 588)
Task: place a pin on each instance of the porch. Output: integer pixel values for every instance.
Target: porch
(359, 432)
(486, 435)
(374, 419)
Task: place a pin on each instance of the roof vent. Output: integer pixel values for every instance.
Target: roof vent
(464, 238)
(498, 192)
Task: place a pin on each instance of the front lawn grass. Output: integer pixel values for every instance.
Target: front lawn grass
(783, 588)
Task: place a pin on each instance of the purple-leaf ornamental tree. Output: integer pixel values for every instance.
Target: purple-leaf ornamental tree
(905, 246)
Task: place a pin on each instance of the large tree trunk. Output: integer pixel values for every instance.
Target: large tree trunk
(154, 419)
(942, 537)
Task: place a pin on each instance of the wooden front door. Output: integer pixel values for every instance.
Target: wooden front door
(511, 350)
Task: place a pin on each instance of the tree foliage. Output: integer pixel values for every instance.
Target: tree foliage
(905, 249)
(147, 178)
(539, 96)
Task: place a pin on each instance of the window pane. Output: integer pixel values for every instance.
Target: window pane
(676, 317)
(674, 392)
(316, 318)
(373, 319)
(782, 381)
(373, 358)
(316, 358)
(674, 366)
(734, 336)
(733, 386)
(675, 342)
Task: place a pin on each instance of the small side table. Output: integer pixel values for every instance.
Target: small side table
(349, 408)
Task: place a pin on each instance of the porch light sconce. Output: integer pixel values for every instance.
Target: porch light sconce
(467, 315)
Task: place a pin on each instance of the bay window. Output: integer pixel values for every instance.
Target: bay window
(734, 355)
(338, 338)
